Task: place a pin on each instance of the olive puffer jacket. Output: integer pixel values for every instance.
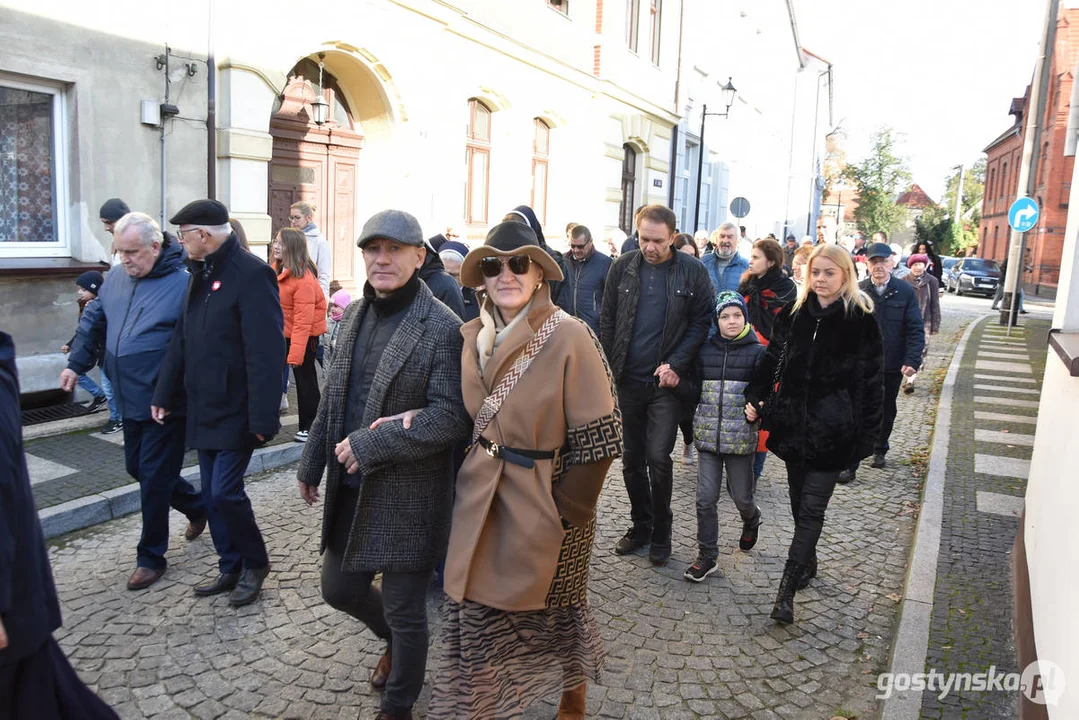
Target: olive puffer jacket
(724, 369)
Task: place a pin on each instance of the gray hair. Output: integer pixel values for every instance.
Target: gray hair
(729, 226)
(217, 231)
(149, 231)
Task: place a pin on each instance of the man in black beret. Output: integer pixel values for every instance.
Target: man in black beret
(111, 211)
(226, 355)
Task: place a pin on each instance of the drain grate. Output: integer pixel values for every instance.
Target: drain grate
(51, 413)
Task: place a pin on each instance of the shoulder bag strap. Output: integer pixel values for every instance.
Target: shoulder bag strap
(493, 403)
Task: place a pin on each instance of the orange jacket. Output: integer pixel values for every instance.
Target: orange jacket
(304, 307)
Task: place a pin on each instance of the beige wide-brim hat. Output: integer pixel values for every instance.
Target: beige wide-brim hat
(504, 240)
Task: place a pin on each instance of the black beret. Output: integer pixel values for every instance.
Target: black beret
(202, 212)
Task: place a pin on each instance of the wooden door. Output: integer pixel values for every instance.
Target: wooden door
(317, 164)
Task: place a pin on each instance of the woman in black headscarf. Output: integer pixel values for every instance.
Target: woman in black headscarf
(527, 216)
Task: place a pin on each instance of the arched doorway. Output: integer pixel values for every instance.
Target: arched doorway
(317, 163)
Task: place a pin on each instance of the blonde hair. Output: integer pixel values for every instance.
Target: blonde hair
(851, 294)
(305, 208)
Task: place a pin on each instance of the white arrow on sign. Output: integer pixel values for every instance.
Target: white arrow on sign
(1023, 216)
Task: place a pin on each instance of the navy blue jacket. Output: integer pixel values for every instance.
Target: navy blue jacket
(228, 352)
(582, 293)
(900, 321)
(133, 319)
(731, 276)
(28, 604)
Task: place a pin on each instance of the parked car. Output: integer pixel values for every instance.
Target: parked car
(974, 275)
(947, 262)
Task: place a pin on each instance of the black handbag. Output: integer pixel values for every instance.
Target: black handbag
(776, 385)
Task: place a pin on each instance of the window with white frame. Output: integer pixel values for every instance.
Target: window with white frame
(32, 167)
(477, 160)
(541, 154)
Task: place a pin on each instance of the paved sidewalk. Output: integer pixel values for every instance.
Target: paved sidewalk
(992, 438)
(676, 649)
(76, 476)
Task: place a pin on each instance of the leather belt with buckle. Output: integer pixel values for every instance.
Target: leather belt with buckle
(517, 456)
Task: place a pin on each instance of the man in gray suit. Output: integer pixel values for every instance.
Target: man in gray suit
(389, 480)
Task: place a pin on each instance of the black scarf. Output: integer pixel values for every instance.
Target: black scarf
(397, 300)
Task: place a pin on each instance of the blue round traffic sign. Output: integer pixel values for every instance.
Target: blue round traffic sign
(739, 207)
(1023, 214)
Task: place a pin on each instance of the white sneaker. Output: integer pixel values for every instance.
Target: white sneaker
(300, 437)
(284, 403)
(688, 456)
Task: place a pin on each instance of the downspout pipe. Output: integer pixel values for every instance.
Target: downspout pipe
(211, 110)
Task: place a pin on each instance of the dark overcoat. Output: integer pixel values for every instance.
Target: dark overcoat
(227, 352)
(826, 413)
(28, 603)
(402, 519)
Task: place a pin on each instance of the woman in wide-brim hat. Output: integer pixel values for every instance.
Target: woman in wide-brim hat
(518, 626)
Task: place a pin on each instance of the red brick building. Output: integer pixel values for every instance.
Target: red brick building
(1054, 170)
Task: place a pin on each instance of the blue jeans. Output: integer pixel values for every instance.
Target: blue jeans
(154, 456)
(236, 535)
(87, 383)
(106, 387)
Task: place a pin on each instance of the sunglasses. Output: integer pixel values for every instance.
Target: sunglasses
(295, 217)
(574, 246)
(491, 267)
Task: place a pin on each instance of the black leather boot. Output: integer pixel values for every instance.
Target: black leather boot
(808, 574)
(783, 610)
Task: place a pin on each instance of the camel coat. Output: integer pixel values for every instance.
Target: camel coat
(520, 538)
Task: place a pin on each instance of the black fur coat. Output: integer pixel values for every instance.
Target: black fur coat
(827, 410)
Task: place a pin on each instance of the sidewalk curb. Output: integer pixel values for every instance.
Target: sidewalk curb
(101, 507)
(911, 643)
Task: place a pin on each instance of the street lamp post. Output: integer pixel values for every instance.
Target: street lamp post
(728, 97)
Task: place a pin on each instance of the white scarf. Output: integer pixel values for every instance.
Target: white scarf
(494, 329)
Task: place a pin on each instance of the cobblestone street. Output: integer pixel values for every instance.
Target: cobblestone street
(676, 649)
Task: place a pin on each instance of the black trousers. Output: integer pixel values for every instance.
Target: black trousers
(396, 614)
(810, 490)
(44, 686)
(892, 381)
(685, 424)
(307, 392)
(650, 417)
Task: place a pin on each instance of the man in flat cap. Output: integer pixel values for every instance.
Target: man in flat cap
(389, 479)
(226, 356)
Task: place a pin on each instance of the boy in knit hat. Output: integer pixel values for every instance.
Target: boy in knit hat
(88, 284)
(723, 436)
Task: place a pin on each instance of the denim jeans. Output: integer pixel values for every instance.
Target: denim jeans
(106, 387)
(396, 614)
(741, 486)
(87, 383)
(810, 490)
(154, 455)
(235, 533)
(650, 418)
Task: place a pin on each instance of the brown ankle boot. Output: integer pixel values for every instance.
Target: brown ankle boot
(572, 705)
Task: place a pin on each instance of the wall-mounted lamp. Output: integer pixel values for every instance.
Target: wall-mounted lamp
(320, 109)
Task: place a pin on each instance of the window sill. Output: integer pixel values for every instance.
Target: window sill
(36, 266)
(1067, 346)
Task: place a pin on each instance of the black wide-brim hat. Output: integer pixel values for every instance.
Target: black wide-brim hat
(504, 240)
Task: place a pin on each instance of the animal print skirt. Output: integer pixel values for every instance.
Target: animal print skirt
(496, 663)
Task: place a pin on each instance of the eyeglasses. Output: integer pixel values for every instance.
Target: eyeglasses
(491, 267)
(295, 217)
(180, 233)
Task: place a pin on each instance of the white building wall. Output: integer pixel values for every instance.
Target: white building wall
(407, 69)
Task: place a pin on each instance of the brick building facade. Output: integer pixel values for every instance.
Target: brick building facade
(1054, 170)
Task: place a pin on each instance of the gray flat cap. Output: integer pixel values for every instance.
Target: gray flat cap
(396, 225)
